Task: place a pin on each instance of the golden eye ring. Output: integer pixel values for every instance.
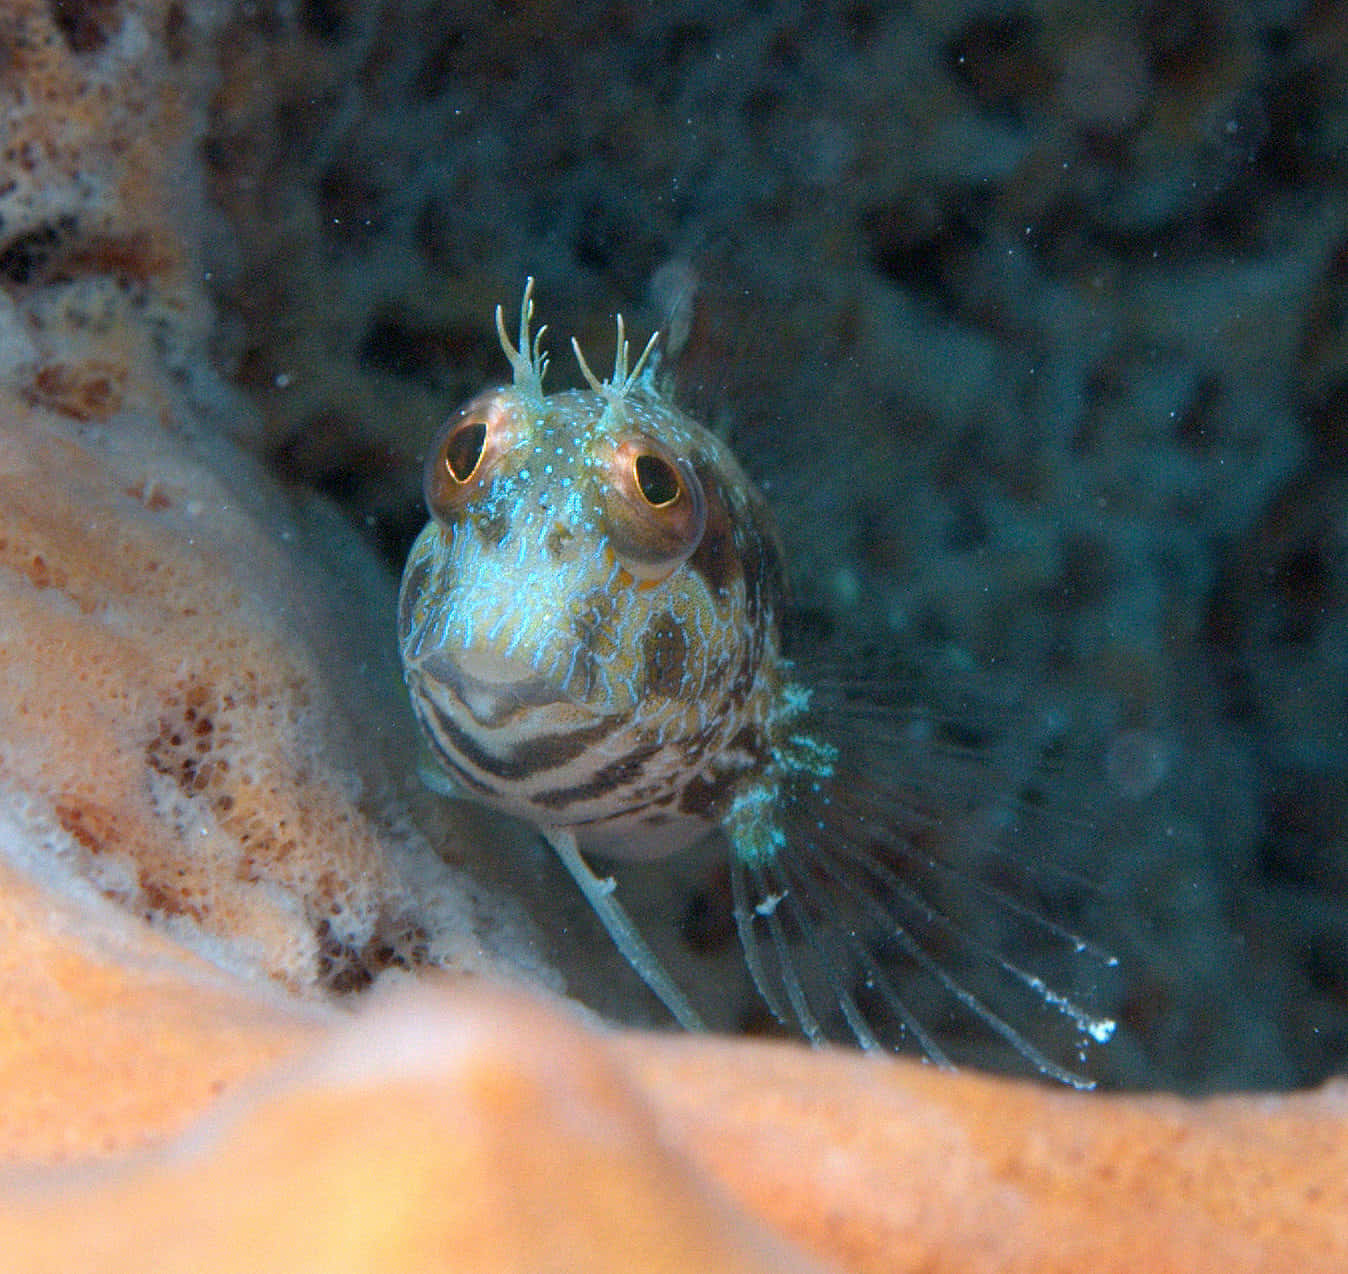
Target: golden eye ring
(462, 449)
(465, 454)
(656, 479)
(655, 510)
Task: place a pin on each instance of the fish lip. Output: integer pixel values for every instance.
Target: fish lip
(488, 669)
(491, 688)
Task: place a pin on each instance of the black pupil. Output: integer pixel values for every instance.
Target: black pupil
(657, 480)
(464, 449)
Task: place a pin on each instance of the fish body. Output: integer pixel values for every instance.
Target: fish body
(580, 654)
(591, 635)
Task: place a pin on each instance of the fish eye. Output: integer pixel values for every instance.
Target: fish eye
(465, 453)
(463, 449)
(656, 479)
(654, 507)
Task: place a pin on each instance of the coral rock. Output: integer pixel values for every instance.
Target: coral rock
(485, 1131)
(113, 1038)
(887, 1166)
(430, 1134)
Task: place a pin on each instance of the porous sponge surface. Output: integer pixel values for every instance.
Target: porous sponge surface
(167, 732)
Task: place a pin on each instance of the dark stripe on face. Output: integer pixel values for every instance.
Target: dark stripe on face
(740, 543)
(524, 759)
(469, 781)
(638, 813)
(621, 773)
(715, 557)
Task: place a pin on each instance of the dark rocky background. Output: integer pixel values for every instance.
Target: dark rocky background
(1031, 317)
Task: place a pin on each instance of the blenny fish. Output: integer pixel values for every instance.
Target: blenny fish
(591, 634)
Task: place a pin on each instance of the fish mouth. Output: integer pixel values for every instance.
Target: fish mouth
(490, 686)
